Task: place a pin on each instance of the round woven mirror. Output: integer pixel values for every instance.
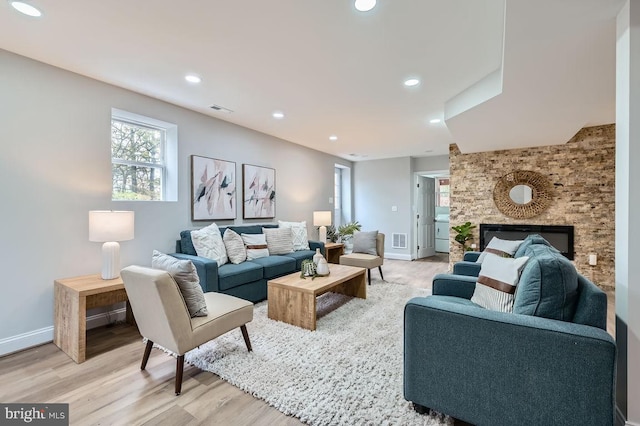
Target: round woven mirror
(522, 194)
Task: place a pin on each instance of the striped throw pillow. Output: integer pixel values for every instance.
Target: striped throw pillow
(502, 248)
(279, 240)
(497, 281)
(299, 234)
(236, 251)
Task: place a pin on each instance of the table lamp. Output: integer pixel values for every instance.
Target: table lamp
(322, 219)
(109, 227)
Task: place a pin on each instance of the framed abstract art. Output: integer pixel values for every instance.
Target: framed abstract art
(213, 189)
(258, 192)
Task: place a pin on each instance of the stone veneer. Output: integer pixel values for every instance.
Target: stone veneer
(582, 173)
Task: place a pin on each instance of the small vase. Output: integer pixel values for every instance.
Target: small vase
(323, 267)
(317, 256)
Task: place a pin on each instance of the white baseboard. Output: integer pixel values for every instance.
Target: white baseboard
(26, 340)
(397, 256)
(45, 335)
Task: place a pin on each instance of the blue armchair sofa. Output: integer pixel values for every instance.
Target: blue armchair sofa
(551, 362)
(247, 280)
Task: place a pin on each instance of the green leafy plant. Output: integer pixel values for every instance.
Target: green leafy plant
(347, 230)
(464, 233)
(332, 234)
(308, 269)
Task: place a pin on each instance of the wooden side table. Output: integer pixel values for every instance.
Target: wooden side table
(333, 251)
(72, 298)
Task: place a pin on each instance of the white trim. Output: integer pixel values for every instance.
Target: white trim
(397, 256)
(44, 335)
(628, 423)
(26, 340)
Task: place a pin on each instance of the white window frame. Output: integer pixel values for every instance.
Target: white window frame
(169, 162)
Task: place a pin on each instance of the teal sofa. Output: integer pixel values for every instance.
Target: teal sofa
(550, 362)
(247, 280)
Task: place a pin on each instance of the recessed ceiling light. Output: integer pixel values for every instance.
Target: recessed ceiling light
(192, 78)
(278, 115)
(333, 138)
(25, 8)
(365, 5)
(434, 121)
(411, 82)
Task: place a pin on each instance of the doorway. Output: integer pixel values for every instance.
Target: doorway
(431, 219)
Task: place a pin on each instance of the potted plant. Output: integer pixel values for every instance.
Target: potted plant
(346, 230)
(464, 234)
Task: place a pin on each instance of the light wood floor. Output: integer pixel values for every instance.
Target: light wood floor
(110, 389)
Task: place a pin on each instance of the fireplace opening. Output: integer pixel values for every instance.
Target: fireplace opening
(559, 236)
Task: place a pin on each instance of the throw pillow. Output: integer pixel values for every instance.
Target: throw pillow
(365, 242)
(503, 248)
(236, 252)
(256, 245)
(299, 234)
(279, 240)
(497, 282)
(208, 243)
(548, 285)
(184, 273)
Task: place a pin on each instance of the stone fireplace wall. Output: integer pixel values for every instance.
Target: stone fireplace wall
(582, 172)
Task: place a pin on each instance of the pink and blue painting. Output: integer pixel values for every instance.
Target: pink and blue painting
(213, 189)
(258, 192)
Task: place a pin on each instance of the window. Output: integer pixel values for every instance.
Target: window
(140, 151)
(442, 192)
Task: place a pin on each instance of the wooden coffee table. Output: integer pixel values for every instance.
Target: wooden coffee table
(292, 299)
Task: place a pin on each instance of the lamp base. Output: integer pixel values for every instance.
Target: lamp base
(110, 260)
(322, 234)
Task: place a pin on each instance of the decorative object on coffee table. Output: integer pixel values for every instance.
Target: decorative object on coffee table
(213, 189)
(307, 268)
(258, 192)
(522, 194)
(322, 268)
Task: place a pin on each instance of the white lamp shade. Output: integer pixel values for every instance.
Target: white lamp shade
(322, 218)
(110, 225)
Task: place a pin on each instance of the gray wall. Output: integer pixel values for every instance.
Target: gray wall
(55, 167)
(379, 185)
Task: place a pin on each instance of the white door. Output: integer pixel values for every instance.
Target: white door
(426, 216)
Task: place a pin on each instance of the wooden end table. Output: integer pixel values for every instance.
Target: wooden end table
(292, 299)
(333, 251)
(72, 298)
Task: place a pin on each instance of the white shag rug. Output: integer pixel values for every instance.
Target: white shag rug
(347, 372)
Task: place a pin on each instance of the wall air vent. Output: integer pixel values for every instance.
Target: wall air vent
(399, 241)
(220, 109)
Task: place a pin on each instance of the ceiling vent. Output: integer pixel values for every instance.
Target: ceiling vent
(220, 109)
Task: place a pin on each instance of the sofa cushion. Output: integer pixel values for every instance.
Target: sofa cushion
(233, 243)
(548, 285)
(503, 248)
(276, 266)
(530, 240)
(230, 275)
(497, 282)
(299, 235)
(279, 240)
(185, 275)
(299, 256)
(208, 243)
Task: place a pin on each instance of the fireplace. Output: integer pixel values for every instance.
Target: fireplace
(560, 236)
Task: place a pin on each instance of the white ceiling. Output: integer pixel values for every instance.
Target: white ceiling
(523, 74)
